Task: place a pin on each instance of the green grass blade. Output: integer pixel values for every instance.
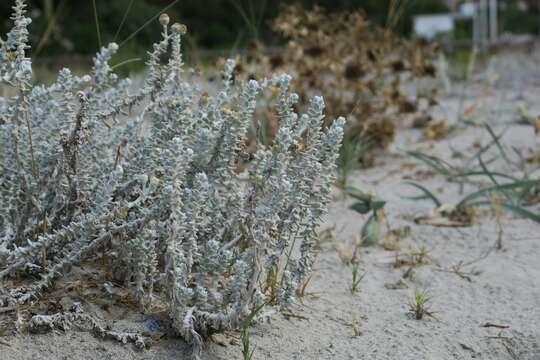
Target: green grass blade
(479, 173)
(519, 210)
(484, 148)
(522, 212)
(96, 19)
(496, 139)
(486, 171)
(155, 16)
(428, 194)
(498, 188)
(433, 162)
(123, 20)
(246, 324)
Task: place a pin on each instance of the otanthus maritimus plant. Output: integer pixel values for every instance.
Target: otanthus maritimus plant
(146, 178)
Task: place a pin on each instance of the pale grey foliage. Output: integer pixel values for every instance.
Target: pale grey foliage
(150, 178)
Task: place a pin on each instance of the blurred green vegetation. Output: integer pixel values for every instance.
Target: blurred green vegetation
(63, 27)
(514, 19)
(68, 28)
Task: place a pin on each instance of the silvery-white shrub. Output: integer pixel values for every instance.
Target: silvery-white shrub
(149, 177)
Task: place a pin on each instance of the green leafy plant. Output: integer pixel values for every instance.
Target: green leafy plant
(367, 203)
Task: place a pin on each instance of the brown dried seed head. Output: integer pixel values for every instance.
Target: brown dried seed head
(179, 27)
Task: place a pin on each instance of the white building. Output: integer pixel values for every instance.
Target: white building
(482, 13)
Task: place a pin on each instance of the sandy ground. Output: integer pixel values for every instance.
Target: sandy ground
(499, 287)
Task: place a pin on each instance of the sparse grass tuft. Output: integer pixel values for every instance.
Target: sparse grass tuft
(512, 195)
(509, 196)
(412, 258)
(301, 290)
(419, 306)
(356, 276)
(247, 349)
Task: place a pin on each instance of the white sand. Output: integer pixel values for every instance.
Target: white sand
(505, 292)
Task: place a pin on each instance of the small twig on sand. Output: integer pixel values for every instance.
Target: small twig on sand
(290, 314)
(467, 347)
(489, 324)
